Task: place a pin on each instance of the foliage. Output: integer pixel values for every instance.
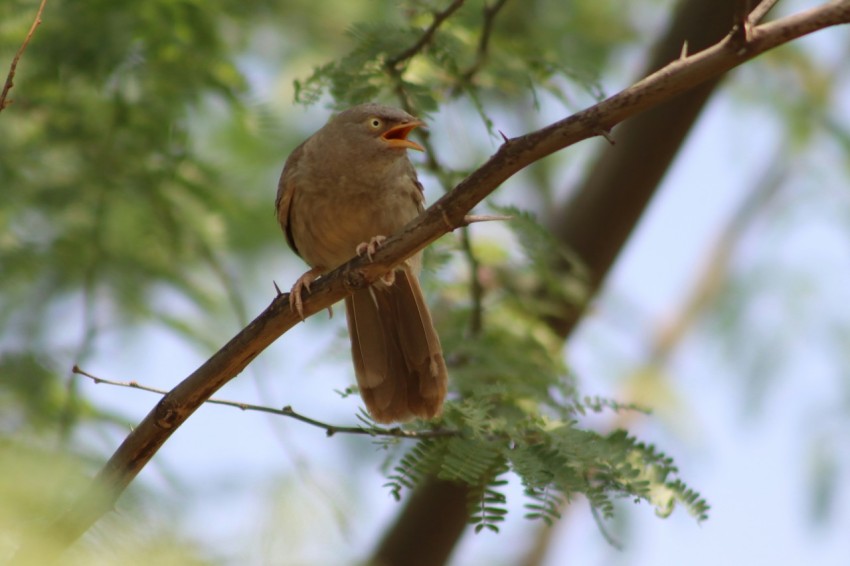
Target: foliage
(121, 198)
(522, 414)
(385, 62)
(107, 205)
(518, 419)
(38, 480)
(123, 206)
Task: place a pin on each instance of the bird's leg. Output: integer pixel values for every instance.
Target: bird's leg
(369, 248)
(303, 282)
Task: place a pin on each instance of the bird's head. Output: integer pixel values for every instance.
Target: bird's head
(375, 128)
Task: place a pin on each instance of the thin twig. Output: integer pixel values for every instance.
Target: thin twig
(603, 529)
(10, 78)
(287, 411)
(490, 12)
(393, 65)
(425, 38)
(476, 289)
(760, 11)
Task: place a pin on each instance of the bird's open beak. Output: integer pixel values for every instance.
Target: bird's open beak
(397, 136)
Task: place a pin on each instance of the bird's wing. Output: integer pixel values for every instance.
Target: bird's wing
(285, 191)
(419, 195)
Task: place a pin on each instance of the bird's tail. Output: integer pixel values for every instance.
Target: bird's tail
(397, 355)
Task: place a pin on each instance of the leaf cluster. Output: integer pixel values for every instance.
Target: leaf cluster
(101, 186)
(427, 59)
(555, 460)
(108, 207)
(517, 411)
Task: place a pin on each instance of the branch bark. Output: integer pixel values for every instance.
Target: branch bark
(445, 215)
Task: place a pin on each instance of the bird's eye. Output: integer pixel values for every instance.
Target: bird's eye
(375, 123)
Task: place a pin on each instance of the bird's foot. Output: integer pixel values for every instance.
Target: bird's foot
(370, 247)
(303, 282)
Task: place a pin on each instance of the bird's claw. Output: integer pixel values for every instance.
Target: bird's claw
(295, 302)
(370, 247)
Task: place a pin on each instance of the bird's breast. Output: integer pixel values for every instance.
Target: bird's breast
(329, 222)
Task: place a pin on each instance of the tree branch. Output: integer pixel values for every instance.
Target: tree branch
(425, 38)
(443, 216)
(10, 78)
(760, 11)
(287, 411)
(490, 12)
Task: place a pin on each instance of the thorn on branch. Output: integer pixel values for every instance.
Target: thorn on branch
(473, 218)
(684, 53)
(504, 137)
(606, 133)
(759, 12)
(277, 289)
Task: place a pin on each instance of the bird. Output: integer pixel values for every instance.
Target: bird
(342, 192)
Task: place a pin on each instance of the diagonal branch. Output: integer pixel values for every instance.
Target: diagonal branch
(445, 215)
(10, 78)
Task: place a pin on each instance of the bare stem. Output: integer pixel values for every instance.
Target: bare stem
(287, 411)
(490, 13)
(476, 290)
(10, 78)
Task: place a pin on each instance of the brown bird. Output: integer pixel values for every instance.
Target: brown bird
(342, 192)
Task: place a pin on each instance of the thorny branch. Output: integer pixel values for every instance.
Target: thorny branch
(10, 78)
(444, 215)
